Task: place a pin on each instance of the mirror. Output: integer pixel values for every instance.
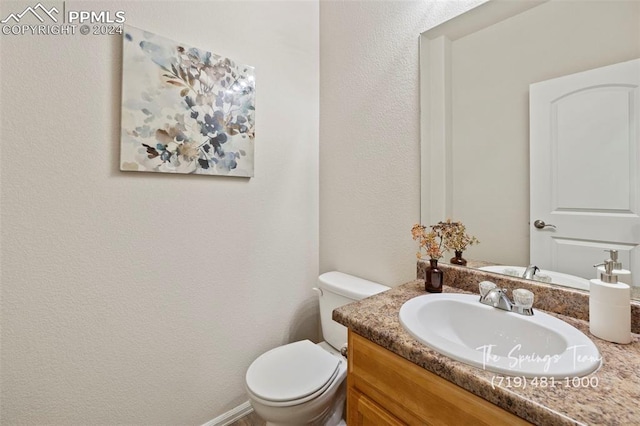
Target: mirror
(475, 75)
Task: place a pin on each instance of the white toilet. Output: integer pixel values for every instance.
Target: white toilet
(303, 383)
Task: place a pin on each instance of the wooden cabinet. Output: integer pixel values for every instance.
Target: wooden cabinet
(386, 389)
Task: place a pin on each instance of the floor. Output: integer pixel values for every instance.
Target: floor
(250, 419)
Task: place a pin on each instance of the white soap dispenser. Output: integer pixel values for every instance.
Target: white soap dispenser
(610, 306)
(624, 275)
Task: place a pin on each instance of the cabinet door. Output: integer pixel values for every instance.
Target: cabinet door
(365, 412)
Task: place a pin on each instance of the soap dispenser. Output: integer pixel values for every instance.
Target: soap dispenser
(624, 275)
(610, 306)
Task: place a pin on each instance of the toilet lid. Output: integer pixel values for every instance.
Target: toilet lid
(291, 372)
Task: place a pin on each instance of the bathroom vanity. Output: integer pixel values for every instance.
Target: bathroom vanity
(393, 379)
(386, 389)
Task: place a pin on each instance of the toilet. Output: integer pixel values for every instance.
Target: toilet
(303, 383)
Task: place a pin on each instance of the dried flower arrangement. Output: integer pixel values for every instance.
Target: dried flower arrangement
(442, 237)
(430, 242)
(455, 235)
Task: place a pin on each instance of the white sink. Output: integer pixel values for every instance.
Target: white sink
(556, 277)
(459, 326)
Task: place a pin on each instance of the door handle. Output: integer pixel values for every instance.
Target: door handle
(541, 225)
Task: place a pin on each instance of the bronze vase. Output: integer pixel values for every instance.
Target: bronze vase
(458, 259)
(434, 277)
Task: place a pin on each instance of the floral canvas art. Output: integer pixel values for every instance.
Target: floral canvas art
(184, 110)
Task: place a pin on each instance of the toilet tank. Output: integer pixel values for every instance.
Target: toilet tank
(340, 289)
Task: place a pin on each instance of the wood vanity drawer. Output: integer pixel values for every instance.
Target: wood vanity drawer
(366, 412)
(411, 393)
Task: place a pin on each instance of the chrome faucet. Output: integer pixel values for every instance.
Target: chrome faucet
(493, 296)
(530, 272)
(497, 298)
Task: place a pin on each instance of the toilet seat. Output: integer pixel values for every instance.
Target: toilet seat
(292, 374)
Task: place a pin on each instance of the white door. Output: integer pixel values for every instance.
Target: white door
(584, 169)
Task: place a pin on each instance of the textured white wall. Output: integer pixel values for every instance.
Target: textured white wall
(142, 298)
(370, 133)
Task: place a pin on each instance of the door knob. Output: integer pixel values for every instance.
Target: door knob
(540, 224)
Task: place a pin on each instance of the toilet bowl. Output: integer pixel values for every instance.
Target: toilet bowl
(302, 383)
(299, 383)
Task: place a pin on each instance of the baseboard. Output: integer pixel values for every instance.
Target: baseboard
(231, 415)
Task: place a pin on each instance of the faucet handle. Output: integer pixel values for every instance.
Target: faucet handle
(523, 298)
(486, 287)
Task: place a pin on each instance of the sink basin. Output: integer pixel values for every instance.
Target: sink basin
(556, 277)
(459, 326)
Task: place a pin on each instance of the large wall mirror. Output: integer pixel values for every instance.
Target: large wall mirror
(476, 71)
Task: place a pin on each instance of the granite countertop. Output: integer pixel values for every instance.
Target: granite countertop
(611, 398)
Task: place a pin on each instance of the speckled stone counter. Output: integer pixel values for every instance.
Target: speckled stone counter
(613, 400)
